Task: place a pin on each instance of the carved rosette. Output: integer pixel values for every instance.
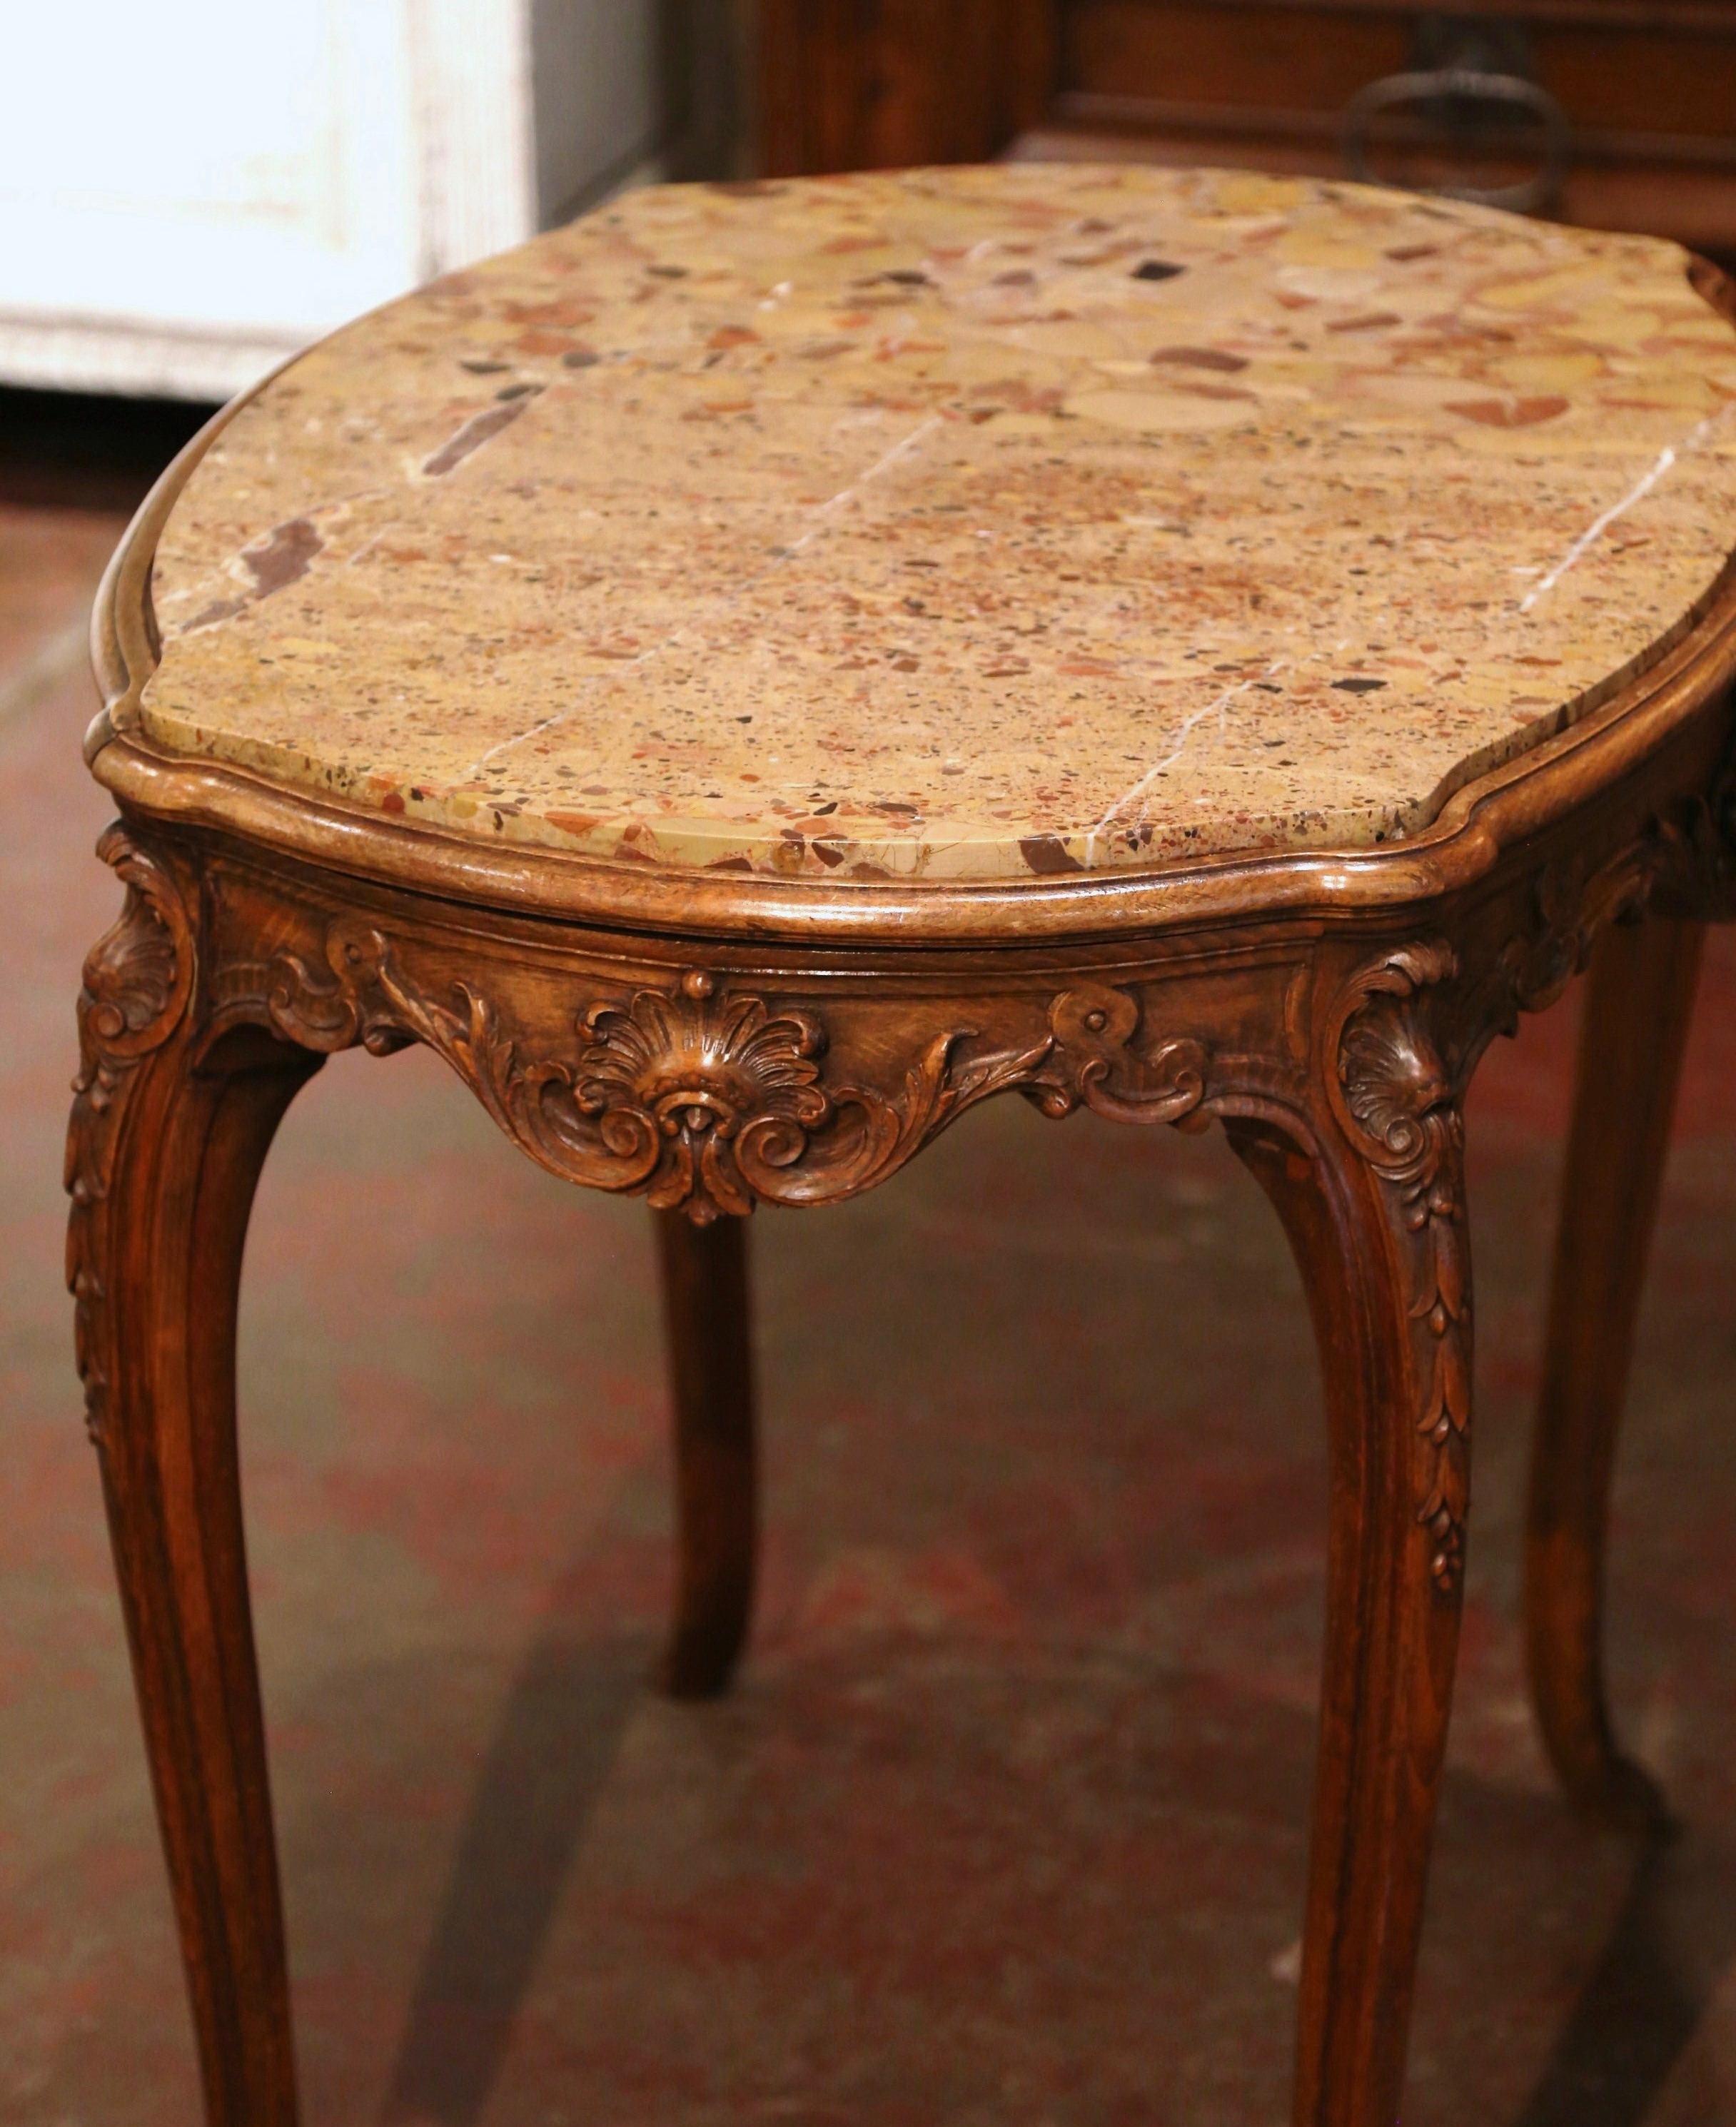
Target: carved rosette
(710, 1099)
(138, 980)
(1397, 1104)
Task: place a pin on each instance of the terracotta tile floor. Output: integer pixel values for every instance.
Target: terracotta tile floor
(1004, 1823)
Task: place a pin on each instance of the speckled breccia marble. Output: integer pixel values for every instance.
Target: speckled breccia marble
(961, 523)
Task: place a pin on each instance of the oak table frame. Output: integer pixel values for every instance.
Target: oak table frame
(1640, 998)
(715, 1042)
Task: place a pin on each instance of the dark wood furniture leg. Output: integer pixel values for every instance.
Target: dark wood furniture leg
(1381, 1248)
(706, 1309)
(165, 1148)
(1638, 999)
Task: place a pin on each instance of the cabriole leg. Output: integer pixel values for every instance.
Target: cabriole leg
(1638, 999)
(163, 1155)
(1392, 1611)
(1374, 1211)
(706, 1302)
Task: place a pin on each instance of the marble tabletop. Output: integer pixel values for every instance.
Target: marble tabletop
(959, 524)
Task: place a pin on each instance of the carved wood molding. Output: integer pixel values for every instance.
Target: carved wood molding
(1682, 862)
(1698, 874)
(1398, 1106)
(711, 1099)
(1093, 1029)
(138, 983)
(1683, 859)
(1397, 1085)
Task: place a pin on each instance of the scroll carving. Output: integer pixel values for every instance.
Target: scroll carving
(711, 1100)
(138, 980)
(1398, 1106)
(1684, 860)
(1697, 865)
(1094, 1029)
(1398, 1101)
(1569, 910)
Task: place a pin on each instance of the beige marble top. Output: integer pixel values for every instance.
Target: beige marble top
(958, 523)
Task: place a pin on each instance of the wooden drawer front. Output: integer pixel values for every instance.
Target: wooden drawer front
(1252, 58)
(1673, 77)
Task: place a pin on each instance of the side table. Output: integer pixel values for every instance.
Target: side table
(751, 675)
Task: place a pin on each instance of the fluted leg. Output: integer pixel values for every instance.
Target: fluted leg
(705, 1300)
(1638, 1001)
(1382, 1253)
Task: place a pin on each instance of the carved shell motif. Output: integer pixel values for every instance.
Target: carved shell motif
(138, 979)
(138, 974)
(704, 1081)
(1398, 1105)
(712, 1101)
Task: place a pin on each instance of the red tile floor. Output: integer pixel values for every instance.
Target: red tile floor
(1004, 1824)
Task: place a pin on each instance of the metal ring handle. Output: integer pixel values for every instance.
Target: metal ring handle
(1538, 195)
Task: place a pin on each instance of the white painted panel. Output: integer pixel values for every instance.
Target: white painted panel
(470, 61)
(191, 189)
(195, 161)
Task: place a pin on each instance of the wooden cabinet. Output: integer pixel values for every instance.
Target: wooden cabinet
(1602, 111)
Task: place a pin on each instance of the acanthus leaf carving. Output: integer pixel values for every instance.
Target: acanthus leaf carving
(1695, 862)
(138, 983)
(870, 1134)
(1682, 860)
(712, 1099)
(1398, 1106)
(1399, 1102)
